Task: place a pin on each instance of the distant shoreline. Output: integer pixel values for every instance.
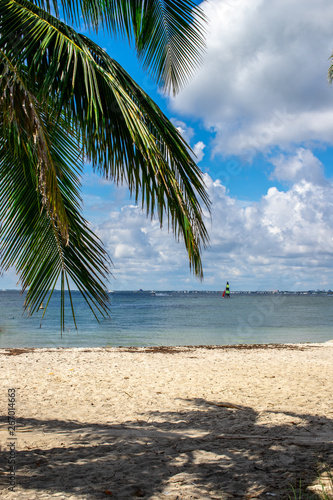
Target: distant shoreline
(232, 292)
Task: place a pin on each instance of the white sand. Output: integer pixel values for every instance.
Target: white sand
(186, 423)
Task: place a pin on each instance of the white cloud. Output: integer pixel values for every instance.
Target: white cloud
(283, 241)
(264, 79)
(198, 151)
(185, 131)
(142, 253)
(188, 133)
(302, 165)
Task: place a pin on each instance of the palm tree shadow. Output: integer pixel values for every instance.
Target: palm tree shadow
(210, 450)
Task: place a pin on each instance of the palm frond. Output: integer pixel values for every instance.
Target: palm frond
(63, 98)
(22, 120)
(330, 71)
(122, 131)
(168, 34)
(31, 240)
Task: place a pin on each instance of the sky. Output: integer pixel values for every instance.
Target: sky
(258, 114)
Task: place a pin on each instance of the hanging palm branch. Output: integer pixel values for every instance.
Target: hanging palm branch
(31, 235)
(168, 34)
(65, 99)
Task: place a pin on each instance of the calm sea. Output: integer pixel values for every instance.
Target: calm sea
(171, 318)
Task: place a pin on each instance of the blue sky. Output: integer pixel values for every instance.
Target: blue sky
(259, 115)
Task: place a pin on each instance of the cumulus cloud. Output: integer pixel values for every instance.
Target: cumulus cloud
(198, 150)
(264, 80)
(294, 168)
(188, 133)
(185, 131)
(144, 256)
(284, 241)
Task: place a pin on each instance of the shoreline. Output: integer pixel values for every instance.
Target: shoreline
(204, 422)
(166, 348)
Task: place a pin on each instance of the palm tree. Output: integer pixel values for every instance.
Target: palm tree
(64, 101)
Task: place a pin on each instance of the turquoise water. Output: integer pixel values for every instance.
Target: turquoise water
(172, 318)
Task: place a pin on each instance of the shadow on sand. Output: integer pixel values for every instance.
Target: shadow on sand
(209, 452)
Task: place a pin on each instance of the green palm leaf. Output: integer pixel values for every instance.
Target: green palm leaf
(63, 99)
(168, 34)
(31, 237)
(22, 123)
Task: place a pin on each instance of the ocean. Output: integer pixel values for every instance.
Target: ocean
(171, 318)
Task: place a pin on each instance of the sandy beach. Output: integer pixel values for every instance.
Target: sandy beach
(166, 423)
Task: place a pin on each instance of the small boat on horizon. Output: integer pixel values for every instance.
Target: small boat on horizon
(226, 293)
